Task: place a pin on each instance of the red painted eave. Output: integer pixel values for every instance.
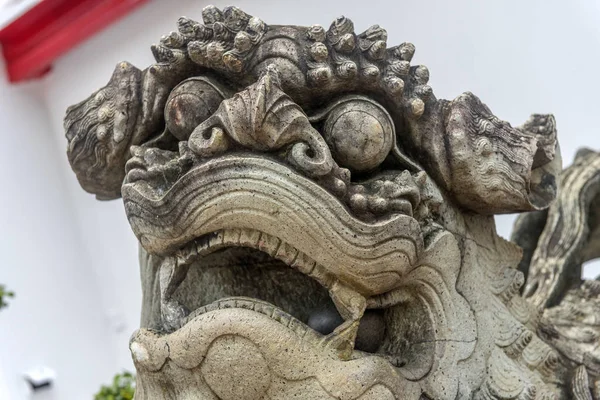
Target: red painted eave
(51, 28)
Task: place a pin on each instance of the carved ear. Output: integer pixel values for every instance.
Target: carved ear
(99, 131)
(495, 168)
(262, 117)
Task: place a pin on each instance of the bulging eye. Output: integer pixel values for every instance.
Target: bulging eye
(359, 132)
(190, 103)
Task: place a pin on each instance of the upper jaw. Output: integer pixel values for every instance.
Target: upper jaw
(293, 218)
(171, 206)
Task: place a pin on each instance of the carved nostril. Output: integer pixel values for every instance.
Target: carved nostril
(208, 141)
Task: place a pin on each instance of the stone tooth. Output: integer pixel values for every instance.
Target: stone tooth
(249, 237)
(232, 236)
(227, 303)
(295, 325)
(188, 254)
(298, 261)
(286, 253)
(216, 239)
(321, 275)
(304, 264)
(259, 308)
(280, 316)
(269, 244)
(201, 247)
(203, 310)
(264, 308)
(211, 307)
(246, 304)
(198, 311)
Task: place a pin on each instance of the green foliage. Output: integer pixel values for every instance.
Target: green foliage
(122, 388)
(5, 294)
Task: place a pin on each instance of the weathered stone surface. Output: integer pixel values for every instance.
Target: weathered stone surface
(315, 224)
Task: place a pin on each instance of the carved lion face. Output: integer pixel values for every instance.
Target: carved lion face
(285, 184)
(254, 221)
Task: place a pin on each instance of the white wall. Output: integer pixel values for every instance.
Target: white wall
(4, 393)
(56, 319)
(519, 56)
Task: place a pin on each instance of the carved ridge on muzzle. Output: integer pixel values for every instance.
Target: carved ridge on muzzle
(262, 117)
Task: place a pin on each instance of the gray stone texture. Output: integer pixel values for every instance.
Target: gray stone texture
(315, 224)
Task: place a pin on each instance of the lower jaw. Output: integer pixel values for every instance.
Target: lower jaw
(244, 349)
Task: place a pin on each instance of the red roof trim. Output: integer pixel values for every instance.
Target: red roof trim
(51, 28)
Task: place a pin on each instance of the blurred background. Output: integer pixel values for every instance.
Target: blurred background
(72, 260)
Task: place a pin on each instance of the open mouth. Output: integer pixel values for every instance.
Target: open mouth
(254, 231)
(279, 257)
(252, 270)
